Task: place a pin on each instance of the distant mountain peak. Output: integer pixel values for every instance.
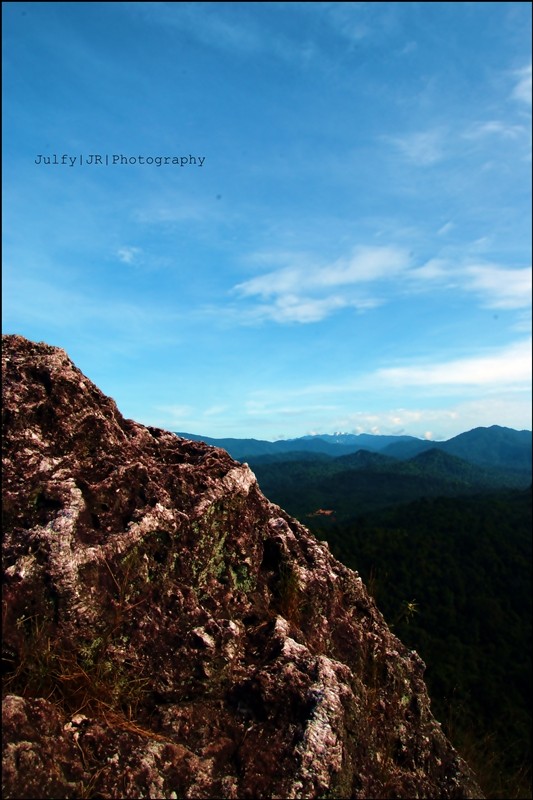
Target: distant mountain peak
(495, 446)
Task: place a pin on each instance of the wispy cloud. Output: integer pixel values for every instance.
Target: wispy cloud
(211, 28)
(522, 89)
(442, 422)
(175, 413)
(503, 369)
(508, 367)
(295, 308)
(126, 325)
(436, 269)
(446, 228)
(366, 264)
(349, 20)
(496, 286)
(215, 411)
(218, 28)
(177, 211)
(506, 130)
(128, 255)
(305, 291)
(494, 386)
(423, 149)
(261, 407)
(500, 288)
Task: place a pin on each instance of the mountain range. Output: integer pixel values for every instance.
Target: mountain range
(346, 475)
(494, 446)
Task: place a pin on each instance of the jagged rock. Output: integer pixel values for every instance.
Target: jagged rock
(169, 633)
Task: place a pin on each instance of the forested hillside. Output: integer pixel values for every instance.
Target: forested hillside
(453, 576)
(367, 481)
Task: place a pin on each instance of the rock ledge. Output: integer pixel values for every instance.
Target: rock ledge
(169, 633)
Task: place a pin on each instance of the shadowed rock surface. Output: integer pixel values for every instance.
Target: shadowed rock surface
(170, 633)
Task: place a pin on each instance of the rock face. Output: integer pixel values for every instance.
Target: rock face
(169, 633)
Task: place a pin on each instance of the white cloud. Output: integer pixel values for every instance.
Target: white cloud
(258, 409)
(217, 27)
(348, 21)
(173, 212)
(434, 269)
(301, 292)
(210, 28)
(426, 422)
(128, 254)
(494, 128)
(422, 149)
(304, 291)
(505, 370)
(356, 22)
(395, 421)
(443, 422)
(294, 308)
(522, 89)
(501, 288)
(215, 411)
(366, 264)
(446, 228)
(408, 48)
(508, 367)
(497, 287)
(176, 413)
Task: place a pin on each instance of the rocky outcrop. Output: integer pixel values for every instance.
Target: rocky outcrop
(169, 633)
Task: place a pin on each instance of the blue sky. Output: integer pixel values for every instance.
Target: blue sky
(352, 254)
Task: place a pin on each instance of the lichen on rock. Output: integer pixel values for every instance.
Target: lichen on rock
(170, 633)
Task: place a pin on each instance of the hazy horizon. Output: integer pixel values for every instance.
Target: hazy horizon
(348, 433)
